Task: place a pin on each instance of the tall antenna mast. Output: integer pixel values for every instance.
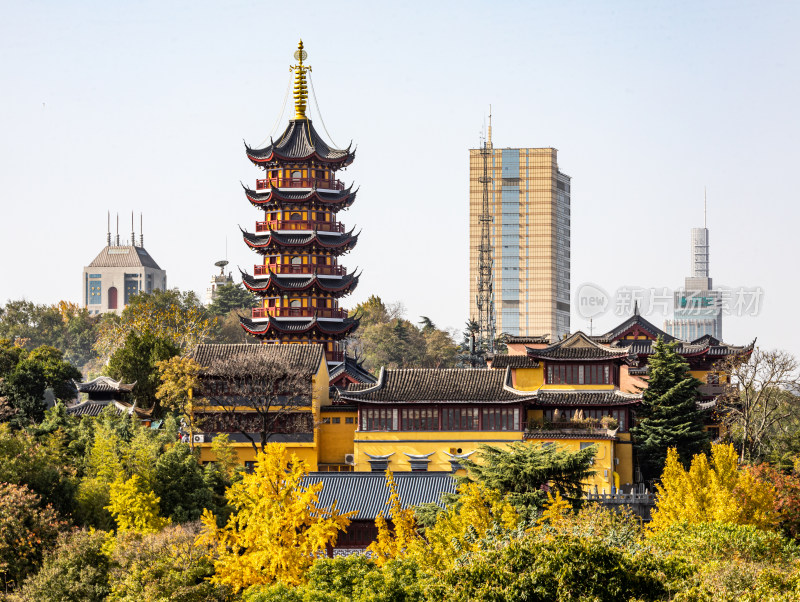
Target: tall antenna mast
(485, 297)
(141, 231)
(108, 231)
(705, 208)
(133, 233)
(117, 229)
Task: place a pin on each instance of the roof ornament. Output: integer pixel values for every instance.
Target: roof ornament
(636, 308)
(300, 88)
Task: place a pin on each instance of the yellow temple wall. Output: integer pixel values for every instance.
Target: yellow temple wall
(336, 439)
(380, 443)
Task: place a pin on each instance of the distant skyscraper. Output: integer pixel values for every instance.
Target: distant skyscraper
(698, 308)
(119, 272)
(529, 199)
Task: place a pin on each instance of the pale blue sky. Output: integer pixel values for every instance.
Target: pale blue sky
(143, 106)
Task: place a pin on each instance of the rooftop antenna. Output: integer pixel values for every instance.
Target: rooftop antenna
(489, 134)
(108, 231)
(117, 229)
(485, 297)
(705, 209)
(141, 231)
(133, 234)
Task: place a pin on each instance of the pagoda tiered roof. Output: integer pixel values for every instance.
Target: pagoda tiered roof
(579, 346)
(276, 284)
(332, 200)
(308, 326)
(270, 241)
(300, 142)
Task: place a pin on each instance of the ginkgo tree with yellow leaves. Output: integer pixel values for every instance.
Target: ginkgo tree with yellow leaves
(278, 529)
(712, 491)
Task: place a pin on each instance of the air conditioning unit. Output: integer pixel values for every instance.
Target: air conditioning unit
(616, 461)
(199, 438)
(350, 459)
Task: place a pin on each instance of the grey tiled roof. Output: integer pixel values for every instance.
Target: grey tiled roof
(531, 340)
(299, 141)
(333, 199)
(354, 369)
(87, 408)
(512, 361)
(585, 398)
(451, 385)
(104, 384)
(578, 346)
(299, 326)
(322, 240)
(125, 256)
(367, 492)
(305, 357)
(634, 320)
(328, 284)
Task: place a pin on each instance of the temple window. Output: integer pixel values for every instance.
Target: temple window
(578, 374)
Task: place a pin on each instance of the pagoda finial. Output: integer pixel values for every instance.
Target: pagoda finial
(300, 89)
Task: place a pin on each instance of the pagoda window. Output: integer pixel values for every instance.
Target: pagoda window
(500, 419)
(381, 419)
(419, 419)
(295, 217)
(297, 174)
(295, 303)
(460, 419)
(578, 374)
(296, 260)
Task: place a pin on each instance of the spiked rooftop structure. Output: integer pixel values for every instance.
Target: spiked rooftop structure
(300, 238)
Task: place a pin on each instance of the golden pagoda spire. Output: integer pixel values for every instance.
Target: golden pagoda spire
(300, 89)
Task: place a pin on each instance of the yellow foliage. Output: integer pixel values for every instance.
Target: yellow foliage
(179, 377)
(709, 492)
(278, 530)
(556, 512)
(393, 543)
(463, 526)
(134, 507)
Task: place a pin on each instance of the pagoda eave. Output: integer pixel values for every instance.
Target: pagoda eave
(312, 326)
(277, 285)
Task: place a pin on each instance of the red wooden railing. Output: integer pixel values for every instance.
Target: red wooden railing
(298, 312)
(334, 356)
(277, 268)
(299, 183)
(299, 225)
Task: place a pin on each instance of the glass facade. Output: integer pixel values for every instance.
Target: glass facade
(529, 201)
(510, 247)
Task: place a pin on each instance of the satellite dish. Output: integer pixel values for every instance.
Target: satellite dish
(221, 264)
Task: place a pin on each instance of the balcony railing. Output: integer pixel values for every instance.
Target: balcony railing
(308, 268)
(334, 356)
(299, 183)
(299, 225)
(298, 312)
(714, 390)
(584, 426)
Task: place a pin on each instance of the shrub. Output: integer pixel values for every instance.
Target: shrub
(76, 571)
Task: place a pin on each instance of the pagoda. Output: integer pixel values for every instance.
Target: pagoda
(300, 239)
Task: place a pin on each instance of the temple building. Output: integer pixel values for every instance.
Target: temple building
(119, 272)
(300, 238)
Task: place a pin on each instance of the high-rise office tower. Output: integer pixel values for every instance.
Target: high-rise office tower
(529, 200)
(698, 308)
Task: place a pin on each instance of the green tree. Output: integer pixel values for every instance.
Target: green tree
(26, 530)
(137, 361)
(180, 485)
(231, 297)
(75, 571)
(36, 371)
(177, 317)
(41, 464)
(166, 565)
(65, 325)
(527, 471)
(668, 416)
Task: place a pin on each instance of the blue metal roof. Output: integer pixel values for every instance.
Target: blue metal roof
(368, 492)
